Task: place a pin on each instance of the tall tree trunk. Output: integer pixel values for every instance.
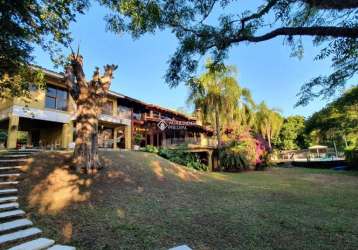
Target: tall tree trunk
(269, 139)
(335, 148)
(269, 143)
(217, 125)
(345, 141)
(89, 98)
(85, 155)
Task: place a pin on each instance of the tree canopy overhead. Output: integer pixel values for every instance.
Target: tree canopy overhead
(201, 26)
(24, 24)
(331, 23)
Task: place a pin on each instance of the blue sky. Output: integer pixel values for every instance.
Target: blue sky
(265, 68)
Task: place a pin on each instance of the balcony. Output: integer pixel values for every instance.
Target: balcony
(190, 142)
(124, 112)
(141, 117)
(137, 116)
(151, 116)
(123, 115)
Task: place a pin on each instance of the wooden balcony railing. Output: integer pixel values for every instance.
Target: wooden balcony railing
(205, 142)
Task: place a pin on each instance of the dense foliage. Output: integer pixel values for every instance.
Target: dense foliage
(151, 149)
(268, 123)
(239, 124)
(292, 133)
(233, 157)
(337, 122)
(247, 152)
(214, 26)
(351, 154)
(222, 102)
(180, 156)
(265, 162)
(138, 139)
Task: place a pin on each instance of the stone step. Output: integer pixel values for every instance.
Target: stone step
(37, 244)
(10, 167)
(8, 191)
(9, 183)
(17, 154)
(61, 247)
(13, 213)
(12, 163)
(23, 150)
(14, 224)
(14, 155)
(13, 160)
(7, 206)
(8, 198)
(182, 247)
(21, 234)
(10, 175)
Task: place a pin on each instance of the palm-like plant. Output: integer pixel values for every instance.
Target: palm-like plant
(221, 100)
(268, 122)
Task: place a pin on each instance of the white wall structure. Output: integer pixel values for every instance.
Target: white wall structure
(41, 114)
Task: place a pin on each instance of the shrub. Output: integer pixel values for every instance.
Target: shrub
(193, 161)
(247, 146)
(151, 149)
(233, 157)
(264, 162)
(138, 139)
(182, 157)
(254, 147)
(351, 155)
(262, 148)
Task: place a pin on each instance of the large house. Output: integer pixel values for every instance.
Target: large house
(46, 120)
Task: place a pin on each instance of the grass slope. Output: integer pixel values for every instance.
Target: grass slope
(141, 201)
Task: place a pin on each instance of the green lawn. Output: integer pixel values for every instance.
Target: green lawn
(141, 201)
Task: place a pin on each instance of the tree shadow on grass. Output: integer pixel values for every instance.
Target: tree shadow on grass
(50, 184)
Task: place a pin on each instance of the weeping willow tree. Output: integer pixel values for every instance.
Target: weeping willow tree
(89, 97)
(219, 97)
(244, 115)
(268, 122)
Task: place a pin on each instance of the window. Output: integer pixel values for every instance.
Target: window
(56, 98)
(108, 108)
(124, 112)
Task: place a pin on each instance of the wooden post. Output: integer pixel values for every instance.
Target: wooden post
(115, 134)
(12, 131)
(66, 136)
(29, 138)
(210, 160)
(164, 143)
(151, 139)
(128, 137)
